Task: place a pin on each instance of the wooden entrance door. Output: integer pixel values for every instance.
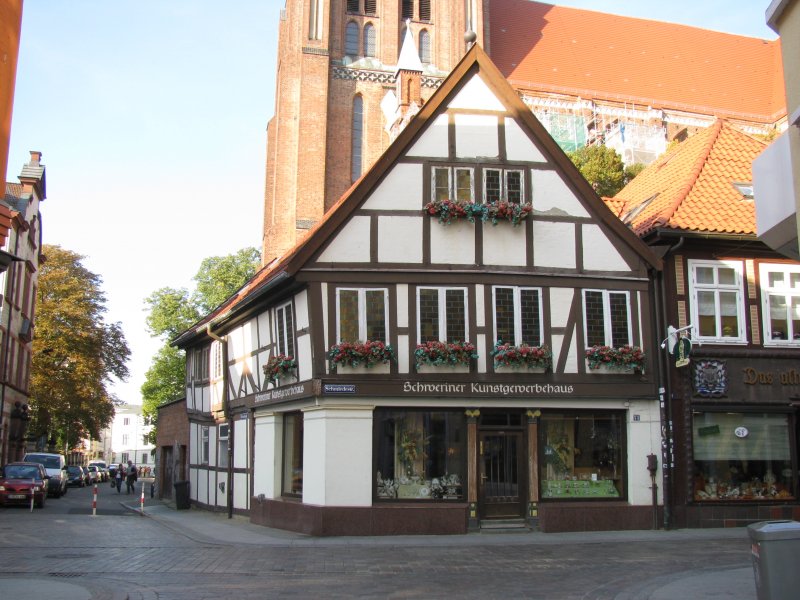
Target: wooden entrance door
(501, 486)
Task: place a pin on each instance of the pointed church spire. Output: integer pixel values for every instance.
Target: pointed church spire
(409, 57)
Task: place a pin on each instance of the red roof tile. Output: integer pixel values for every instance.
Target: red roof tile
(693, 185)
(663, 65)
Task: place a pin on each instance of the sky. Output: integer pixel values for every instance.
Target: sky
(151, 116)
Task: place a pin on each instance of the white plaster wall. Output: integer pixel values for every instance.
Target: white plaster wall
(560, 305)
(336, 467)
(212, 446)
(518, 145)
(241, 442)
(504, 245)
(402, 304)
(599, 254)
(304, 363)
(301, 309)
(434, 141)
(194, 492)
(263, 357)
(400, 239)
(241, 491)
(235, 343)
(574, 355)
(558, 342)
(401, 189)
(482, 353)
(264, 333)
(267, 455)
(453, 244)
(476, 136)
(328, 344)
(644, 437)
(351, 244)
(550, 192)
(194, 449)
(476, 95)
(402, 353)
(480, 309)
(249, 336)
(554, 245)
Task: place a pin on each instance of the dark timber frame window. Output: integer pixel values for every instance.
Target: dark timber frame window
(517, 315)
(362, 315)
(442, 315)
(607, 318)
(503, 184)
(284, 330)
(453, 183)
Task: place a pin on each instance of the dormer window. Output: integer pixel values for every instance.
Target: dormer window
(745, 189)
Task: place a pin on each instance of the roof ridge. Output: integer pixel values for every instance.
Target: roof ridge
(694, 175)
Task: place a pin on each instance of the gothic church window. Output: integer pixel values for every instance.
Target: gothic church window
(315, 20)
(357, 132)
(369, 40)
(351, 39)
(424, 47)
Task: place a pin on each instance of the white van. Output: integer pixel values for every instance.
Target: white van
(56, 467)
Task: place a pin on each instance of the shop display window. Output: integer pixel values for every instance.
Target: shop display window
(293, 454)
(583, 455)
(741, 457)
(420, 455)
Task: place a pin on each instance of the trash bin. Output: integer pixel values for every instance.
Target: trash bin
(775, 546)
(182, 495)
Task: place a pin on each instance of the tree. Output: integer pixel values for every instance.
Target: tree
(76, 354)
(172, 311)
(631, 171)
(602, 167)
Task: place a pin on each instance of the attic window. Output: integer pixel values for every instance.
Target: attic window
(745, 189)
(636, 210)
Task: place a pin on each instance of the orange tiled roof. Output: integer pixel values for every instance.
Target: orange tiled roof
(663, 65)
(693, 185)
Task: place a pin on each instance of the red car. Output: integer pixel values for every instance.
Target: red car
(19, 480)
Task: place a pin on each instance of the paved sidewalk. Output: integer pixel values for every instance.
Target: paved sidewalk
(732, 584)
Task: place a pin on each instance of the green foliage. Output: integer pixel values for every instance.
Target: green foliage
(602, 167)
(631, 171)
(172, 311)
(75, 353)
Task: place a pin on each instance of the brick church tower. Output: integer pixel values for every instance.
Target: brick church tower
(336, 89)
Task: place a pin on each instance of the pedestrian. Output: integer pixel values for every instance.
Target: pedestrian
(118, 477)
(132, 476)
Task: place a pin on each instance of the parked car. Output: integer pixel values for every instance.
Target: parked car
(21, 480)
(56, 467)
(95, 474)
(102, 466)
(76, 475)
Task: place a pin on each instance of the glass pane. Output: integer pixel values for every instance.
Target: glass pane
(795, 316)
(727, 276)
(281, 326)
(595, 323)
(289, 332)
(618, 304)
(706, 312)
(424, 47)
(293, 454)
(514, 186)
(455, 315)
(428, 315)
(729, 306)
(420, 455)
(504, 314)
(778, 320)
(348, 316)
(704, 274)
(464, 185)
(582, 455)
(376, 315)
(351, 39)
(369, 40)
(491, 185)
(529, 308)
(775, 279)
(794, 280)
(742, 456)
(441, 184)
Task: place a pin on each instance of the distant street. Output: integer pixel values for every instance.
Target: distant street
(120, 554)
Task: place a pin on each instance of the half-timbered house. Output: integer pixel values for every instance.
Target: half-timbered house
(464, 339)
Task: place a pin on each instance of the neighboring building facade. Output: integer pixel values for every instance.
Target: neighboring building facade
(172, 447)
(129, 437)
(445, 436)
(776, 172)
(732, 407)
(589, 77)
(19, 284)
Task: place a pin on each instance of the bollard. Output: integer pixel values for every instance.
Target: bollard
(94, 501)
(141, 502)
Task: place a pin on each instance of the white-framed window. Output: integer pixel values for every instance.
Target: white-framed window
(442, 315)
(126, 421)
(607, 318)
(452, 183)
(204, 444)
(503, 184)
(125, 457)
(125, 439)
(200, 363)
(517, 315)
(369, 39)
(717, 293)
(351, 36)
(284, 330)
(144, 459)
(362, 314)
(780, 304)
(223, 433)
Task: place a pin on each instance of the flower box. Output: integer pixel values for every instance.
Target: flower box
(443, 354)
(280, 367)
(354, 355)
(363, 369)
(607, 359)
(450, 211)
(508, 356)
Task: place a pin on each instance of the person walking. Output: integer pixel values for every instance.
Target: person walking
(118, 477)
(132, 476)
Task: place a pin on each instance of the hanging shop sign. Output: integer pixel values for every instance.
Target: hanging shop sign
(681, 351)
